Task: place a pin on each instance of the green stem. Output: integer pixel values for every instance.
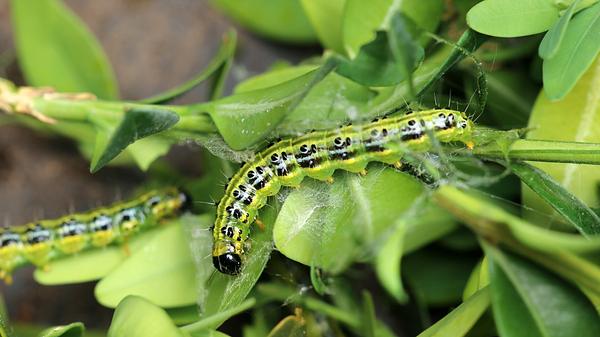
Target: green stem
(545, 151)
(288, 294)
(213, 321)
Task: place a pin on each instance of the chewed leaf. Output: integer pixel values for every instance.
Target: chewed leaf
(530, 301)
(56, 49)
(318, 221)
(136, 124)
(512, 18)
(138, 317)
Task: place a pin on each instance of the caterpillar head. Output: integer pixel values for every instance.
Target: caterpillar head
(168, 204)
(227, 257)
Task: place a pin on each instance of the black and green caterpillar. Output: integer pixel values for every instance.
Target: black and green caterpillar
(41, 241)
(318, 155)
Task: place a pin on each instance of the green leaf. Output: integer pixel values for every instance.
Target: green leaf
(530, 301)
(460, 320)
(565, 203)
(89, 265)
(576, 53)
(318, 221)
(225, 293)
(138, 317)
(326, 17)
(512, 18)
(553, 38)
(272, 78)
(429, 73)
(56, 49)
(423, 270)
(363, 18)
(218, 68)
(405, 50)
(137, 123)
(548, 121)
(387, 263)
(478, 280)
(368, 319)
(162, 272)
(280, 20)
(375, 65)
(71, 330)
(246, 118)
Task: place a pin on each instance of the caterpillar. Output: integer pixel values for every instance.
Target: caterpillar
(41, 241)
(317, 155)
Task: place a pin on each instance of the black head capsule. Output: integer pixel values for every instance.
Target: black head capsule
(228, 263)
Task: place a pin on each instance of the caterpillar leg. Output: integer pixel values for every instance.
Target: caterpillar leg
(330, 180)
(398, 164)
(470, 144)
(126, 249)
(363, 172)
(260, 224)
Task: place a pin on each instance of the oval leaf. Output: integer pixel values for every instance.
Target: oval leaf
(138, 317)
(318, 221)
(162, 272)
(512, 18)
(326, 17)
(530, 301)
(71, 330)
(280, 20)
(553, 38)
(56, 49)
(576, 53)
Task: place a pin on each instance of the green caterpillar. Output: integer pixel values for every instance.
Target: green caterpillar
(41, 241)
(318, 155)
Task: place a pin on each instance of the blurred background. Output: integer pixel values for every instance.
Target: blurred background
(153, 45)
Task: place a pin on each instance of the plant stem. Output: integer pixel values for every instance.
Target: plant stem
(545, 151)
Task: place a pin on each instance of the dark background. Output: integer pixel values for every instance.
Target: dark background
(153, 45)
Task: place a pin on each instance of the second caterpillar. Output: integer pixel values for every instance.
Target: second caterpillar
(41, 241)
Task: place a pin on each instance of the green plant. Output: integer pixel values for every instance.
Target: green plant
(441, 235)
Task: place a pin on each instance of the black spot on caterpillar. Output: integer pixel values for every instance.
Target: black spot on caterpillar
(40, 241)
(318, 155)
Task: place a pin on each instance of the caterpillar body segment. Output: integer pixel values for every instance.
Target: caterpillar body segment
(318, 155)
(41, 241)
